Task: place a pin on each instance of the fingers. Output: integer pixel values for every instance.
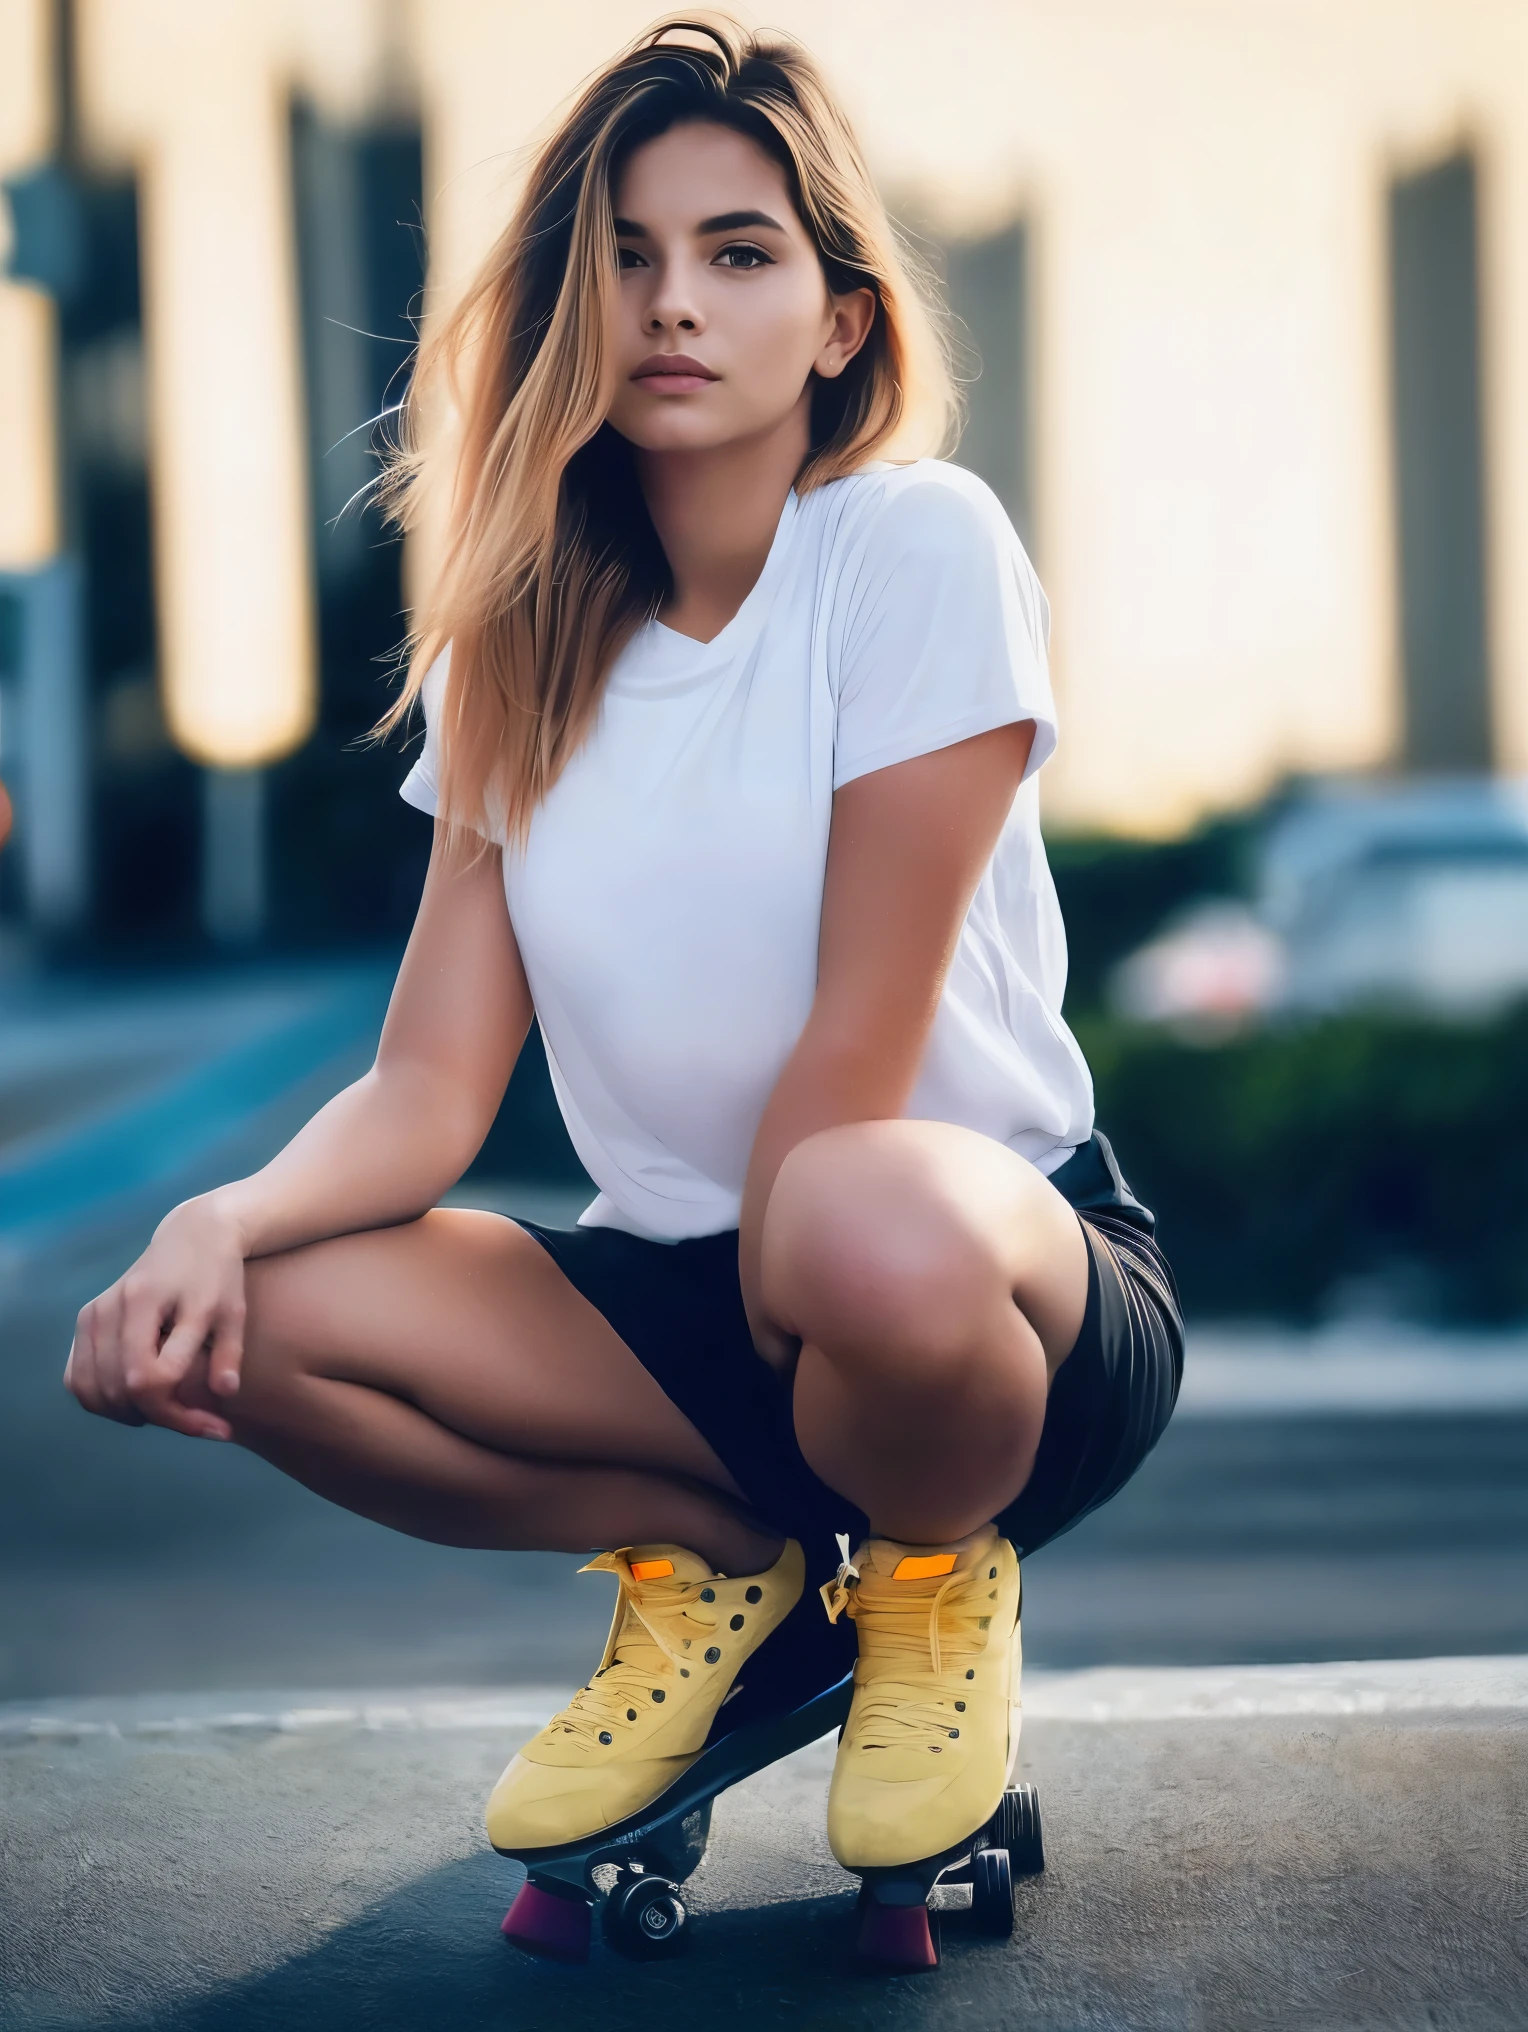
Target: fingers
(173, 1392)
(143, 1350)
(226, 1363)
(152, 1374)
(189, 1420)
(94, 1371)
(144, 1311)
(118, 1368)
(79, 1370)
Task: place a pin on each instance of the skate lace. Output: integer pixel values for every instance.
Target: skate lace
(910, 1633)
(660, 1623)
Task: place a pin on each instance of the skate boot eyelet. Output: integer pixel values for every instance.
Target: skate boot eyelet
(708, 1594)
(960, 1707)
(754, 1594)
(953, 1734)
(555, 1795)
(972, 1673)
(992, 1573)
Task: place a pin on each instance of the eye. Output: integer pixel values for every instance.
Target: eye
(742, 254)
(628, 257)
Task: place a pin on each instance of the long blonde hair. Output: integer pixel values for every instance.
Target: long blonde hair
(551, 560)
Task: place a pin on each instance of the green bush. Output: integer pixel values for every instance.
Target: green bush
(1286, 1164)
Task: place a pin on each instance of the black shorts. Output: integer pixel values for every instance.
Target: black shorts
(679, 1307)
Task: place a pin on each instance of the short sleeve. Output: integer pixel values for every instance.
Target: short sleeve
(421, 787)
(945, 629)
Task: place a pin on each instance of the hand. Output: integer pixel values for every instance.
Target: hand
(160, 1345)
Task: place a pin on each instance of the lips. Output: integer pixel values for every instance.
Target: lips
(677, 369)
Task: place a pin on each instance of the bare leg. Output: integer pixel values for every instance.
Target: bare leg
(445, 1378)
(937, 1282)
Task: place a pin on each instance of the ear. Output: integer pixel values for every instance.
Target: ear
(853, 315)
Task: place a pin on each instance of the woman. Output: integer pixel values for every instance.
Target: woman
(734, 709)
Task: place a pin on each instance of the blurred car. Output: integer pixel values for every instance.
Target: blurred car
(1410, 896)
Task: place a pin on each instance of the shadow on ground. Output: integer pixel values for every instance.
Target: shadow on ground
(432, 1955)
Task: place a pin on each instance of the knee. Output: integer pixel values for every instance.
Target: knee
(863, 1252)
(272, 1370)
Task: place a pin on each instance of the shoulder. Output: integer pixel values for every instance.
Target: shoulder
(925, 499)
(927, 523)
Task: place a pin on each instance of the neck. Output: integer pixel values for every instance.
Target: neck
(716, 513)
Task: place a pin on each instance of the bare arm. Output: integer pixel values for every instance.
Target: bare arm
(380, 1152)
(907, 849)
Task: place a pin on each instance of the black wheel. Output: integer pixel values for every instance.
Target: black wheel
(1016, 1827)
(644, 1917)
(992, 1891)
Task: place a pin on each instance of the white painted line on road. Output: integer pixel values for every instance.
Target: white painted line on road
(1103, 1694)
(66, 1721)
(1376, 1371)
(1236, 1693)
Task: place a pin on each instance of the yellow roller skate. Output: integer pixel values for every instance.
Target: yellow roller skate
(626, 1774)
(920, 1786)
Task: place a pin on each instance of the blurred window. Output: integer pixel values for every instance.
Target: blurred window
(987, 281)
(1440, 511)
(343, 866)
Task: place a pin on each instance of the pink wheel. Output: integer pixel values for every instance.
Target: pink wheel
(555, 1928)
(896, 1936)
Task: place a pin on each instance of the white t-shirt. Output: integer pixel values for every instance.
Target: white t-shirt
(668, 898)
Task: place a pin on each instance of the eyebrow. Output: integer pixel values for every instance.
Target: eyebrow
(724, 222)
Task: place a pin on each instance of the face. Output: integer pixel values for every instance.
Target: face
(724, 313)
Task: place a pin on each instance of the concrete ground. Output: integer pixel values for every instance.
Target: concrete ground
(1271, 1847)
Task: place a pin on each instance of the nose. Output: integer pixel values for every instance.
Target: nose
(673, 306)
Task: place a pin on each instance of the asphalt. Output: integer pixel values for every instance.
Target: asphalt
(1268, 1848)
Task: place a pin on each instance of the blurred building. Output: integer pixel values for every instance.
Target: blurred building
(1246, 281)
(216, 253)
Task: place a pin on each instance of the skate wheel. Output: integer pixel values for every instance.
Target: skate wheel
(541, 1922)
(896, 1936)
(992, 1892)
(644, 1917)
(1016, 1827)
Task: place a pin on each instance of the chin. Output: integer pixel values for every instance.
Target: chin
(677, 434)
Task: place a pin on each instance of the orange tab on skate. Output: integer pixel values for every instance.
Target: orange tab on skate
(657, 1569)
(928, 1567)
